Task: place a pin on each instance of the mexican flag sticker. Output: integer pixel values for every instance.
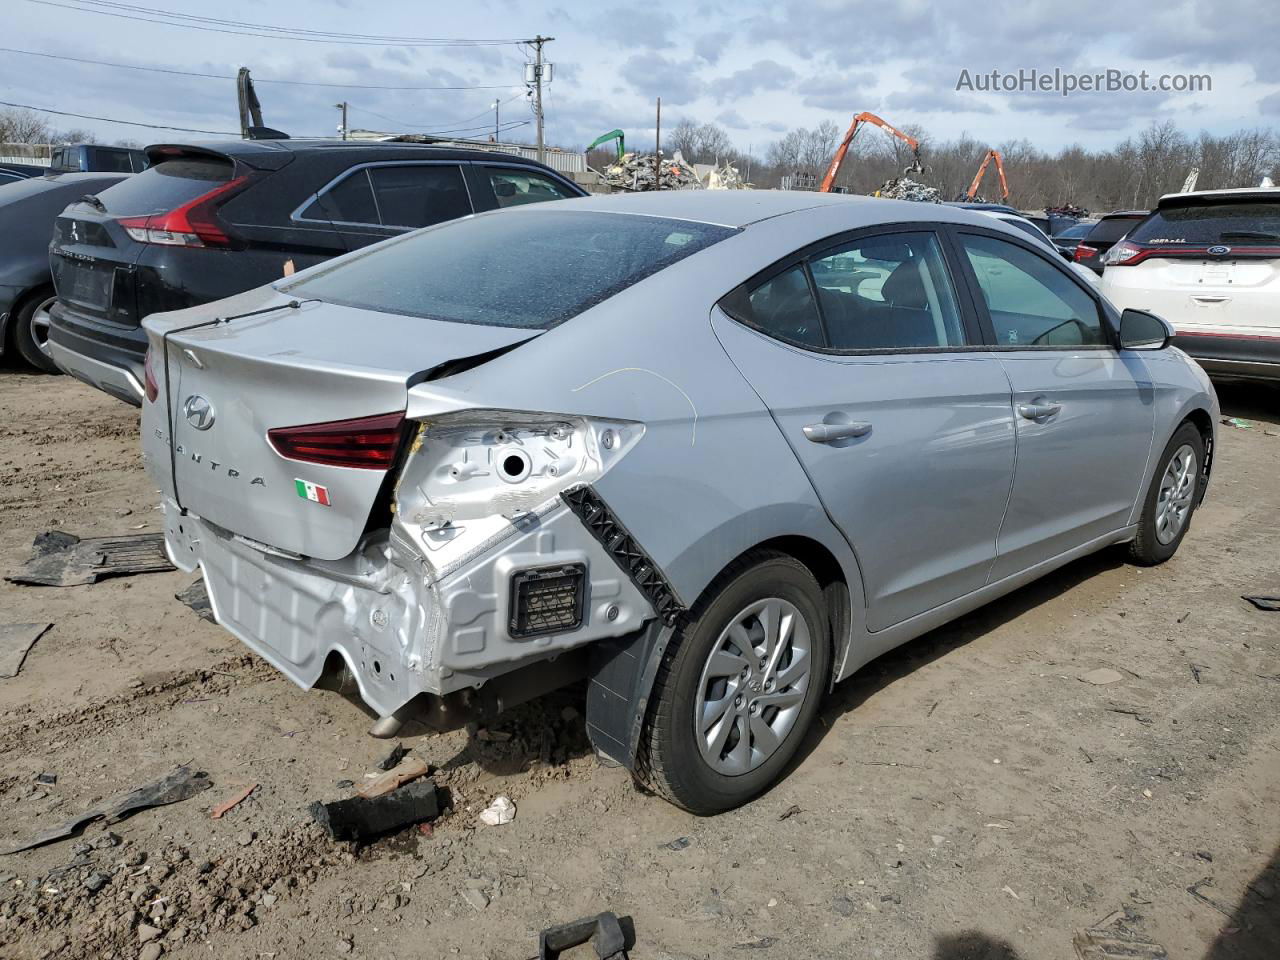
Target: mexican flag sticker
(312, 491)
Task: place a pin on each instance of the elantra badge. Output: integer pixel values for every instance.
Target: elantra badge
(198, 411)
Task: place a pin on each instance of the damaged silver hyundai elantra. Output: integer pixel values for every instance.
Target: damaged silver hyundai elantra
(710, 451)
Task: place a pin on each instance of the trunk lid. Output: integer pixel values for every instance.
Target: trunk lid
(228, 385)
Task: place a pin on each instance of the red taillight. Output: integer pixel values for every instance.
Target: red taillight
(194, 224)
(1083, 251)
(148, 374)
(367, 442)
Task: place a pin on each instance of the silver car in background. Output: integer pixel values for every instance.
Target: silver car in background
(712, 451)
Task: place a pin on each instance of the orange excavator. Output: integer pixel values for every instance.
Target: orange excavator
(977, 180)
(834, 170)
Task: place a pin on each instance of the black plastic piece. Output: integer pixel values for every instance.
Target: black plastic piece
(621, 679)
(626, 551)
(610, 936)
(547, 600)
(363, 818)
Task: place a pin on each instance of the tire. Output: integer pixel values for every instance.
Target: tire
(773, 705)
(1171, 499)
(30, 329)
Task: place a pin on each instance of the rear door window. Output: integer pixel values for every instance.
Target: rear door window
(1032, 303)
(419, 196)
(513, 187)
(1240, 223)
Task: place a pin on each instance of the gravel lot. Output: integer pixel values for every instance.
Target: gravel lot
(967, 796)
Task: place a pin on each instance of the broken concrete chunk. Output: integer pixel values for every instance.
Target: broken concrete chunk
(64, 560)
(501, 811)
(398, 753)
(363, 818)
(1102, 676)
(15, 640)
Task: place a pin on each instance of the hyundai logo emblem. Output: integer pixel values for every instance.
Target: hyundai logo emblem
(198, 411)
(1218, 250)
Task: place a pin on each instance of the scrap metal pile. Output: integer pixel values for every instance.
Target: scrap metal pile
(635, 171)
(904, 188)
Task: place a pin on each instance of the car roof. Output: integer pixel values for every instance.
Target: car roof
(68, 182)
(981, 205)
(247, 150)
(1234, 193)
(1130, 214)
(741, 208)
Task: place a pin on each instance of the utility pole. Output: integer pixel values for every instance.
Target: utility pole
(537, 42)
(343, 107)
(497, 104)
(657, 149)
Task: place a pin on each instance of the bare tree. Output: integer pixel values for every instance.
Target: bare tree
(22, 126)
(700, 142)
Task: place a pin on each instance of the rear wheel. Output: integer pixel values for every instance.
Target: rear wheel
(738, 687)
(31, 330)
(1171, 499)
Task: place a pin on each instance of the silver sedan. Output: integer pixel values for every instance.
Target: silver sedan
(710, 451)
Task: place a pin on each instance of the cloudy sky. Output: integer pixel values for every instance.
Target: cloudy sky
(756, 68)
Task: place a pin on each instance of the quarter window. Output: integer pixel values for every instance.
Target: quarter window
(783, 307)
(1031, 302)
(350, 200)
(887, 292)
(513, 188)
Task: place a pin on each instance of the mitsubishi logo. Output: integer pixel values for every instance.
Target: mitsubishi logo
(198, 411)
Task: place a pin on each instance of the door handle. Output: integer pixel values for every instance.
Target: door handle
(1038, 411)
(829, 432)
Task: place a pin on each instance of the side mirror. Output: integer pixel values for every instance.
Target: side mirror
(1140, 330)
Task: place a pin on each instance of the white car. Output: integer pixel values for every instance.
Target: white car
(1031, 230)
(1209, 264)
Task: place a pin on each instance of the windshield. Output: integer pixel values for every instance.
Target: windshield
(1236, 223)
(527, 269)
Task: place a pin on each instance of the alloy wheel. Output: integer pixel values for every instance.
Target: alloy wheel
(1177, 490)
(40, 324)
(753, 686)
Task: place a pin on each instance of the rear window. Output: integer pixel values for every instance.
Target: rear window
(1109, 231)
(1238, 223)
(111, 161)
(1078, 232)
(532, 270)
(165, 186)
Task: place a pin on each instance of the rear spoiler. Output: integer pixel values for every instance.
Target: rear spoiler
(265, 159)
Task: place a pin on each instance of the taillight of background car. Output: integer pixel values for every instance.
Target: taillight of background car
(1123, 254)
(1084, 252)
(369, 443)
(194, 224)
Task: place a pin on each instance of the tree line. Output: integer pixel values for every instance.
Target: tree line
(1133, 174)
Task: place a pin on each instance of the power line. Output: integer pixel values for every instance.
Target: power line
(221, 76)
(131, 123)
(419, 123)
(274, 33)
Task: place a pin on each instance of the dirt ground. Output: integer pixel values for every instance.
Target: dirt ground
(966, 796)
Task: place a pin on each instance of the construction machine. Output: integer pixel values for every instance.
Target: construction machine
(972, 192)
(606, 137)
(863, 118)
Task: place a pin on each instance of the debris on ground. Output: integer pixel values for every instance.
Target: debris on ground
(1102, 675)
(196, 597)
(501, 811)
(234, 801)
(610, 936)
(179, 785)
(405, 771)
(788, 813)
(64, 560)
(398, 753)
(904, 188)
(1238, 422)
(363, 818)
(48, 779)
(679, 843)
(1095, 944)
(1194, 890)
(1269, 604)
(15, 640)
(635, 171)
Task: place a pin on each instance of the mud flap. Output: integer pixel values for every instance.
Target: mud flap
(621, 678)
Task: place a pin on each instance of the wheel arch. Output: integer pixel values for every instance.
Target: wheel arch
(7, 319)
